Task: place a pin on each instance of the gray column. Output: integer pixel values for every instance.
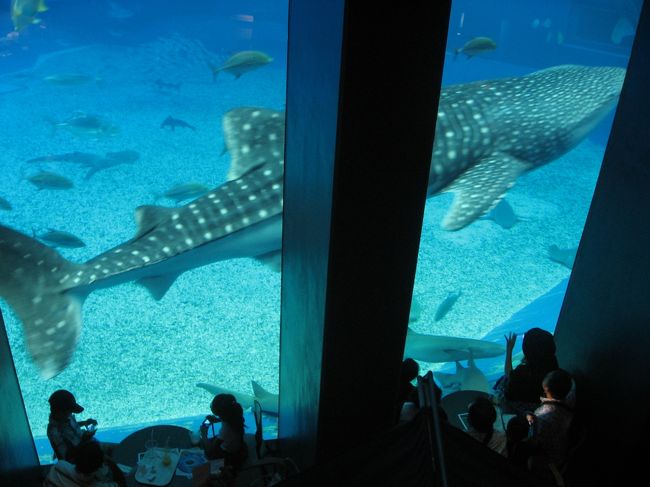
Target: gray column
(18, 458)
(363, 86)
(603, 333)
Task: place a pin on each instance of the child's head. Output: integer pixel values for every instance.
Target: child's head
(557, 384)
(63, 403)
(221, 403)
(538, 344)
(481, 414)
(517, 429)
(88, 457)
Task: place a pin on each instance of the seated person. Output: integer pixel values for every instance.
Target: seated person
(407, 392)
(63, 430)
(228, 443)
(481, 417)
(89, 470)
(551, 421)
(521, 387)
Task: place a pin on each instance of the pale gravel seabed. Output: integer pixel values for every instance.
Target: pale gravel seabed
(217, 324)
(220, 323)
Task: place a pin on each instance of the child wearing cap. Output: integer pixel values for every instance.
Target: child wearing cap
(63, 430)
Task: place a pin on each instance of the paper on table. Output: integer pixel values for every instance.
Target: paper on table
(190, 459)
(124, 468)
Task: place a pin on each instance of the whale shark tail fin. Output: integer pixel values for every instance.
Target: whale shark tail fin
(39, 286)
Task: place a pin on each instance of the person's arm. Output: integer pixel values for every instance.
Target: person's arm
(58, 443)
(511, 339)
(209, 445)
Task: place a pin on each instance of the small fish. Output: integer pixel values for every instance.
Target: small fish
(50, 180)
(172, 123)
(5, 205)
(71, 79)
(24, 12)
(562, 256)
(112, 159)
(446, 305)
(182, 192)
(90, 126)
(241, 63)
(166, 86)
(478, 45)
(58, 238)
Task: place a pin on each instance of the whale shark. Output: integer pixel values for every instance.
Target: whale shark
(488, 133)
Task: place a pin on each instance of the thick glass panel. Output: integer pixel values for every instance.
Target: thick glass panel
(529, 92)
(108, 106)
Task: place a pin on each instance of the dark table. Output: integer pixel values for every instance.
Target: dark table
(127, 451)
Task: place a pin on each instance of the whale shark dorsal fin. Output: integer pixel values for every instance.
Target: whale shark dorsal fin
(158, 285)
(148, 216)
(252, 145)
(259, 391)
(480, 189)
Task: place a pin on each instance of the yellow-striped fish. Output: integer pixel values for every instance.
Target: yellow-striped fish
(24, 12)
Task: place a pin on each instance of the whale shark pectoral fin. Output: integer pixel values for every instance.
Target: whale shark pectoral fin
(148, 216)
(158, 285)
(273, 260)
(481, 188)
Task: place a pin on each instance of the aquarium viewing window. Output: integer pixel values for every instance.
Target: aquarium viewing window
(141, 200)
(528, 97)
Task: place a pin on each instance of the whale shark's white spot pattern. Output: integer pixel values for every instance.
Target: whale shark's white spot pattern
(526, 121)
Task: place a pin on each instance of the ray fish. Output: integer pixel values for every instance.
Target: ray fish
(439, 348)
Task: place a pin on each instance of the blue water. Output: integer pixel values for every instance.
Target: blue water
(137, 360)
